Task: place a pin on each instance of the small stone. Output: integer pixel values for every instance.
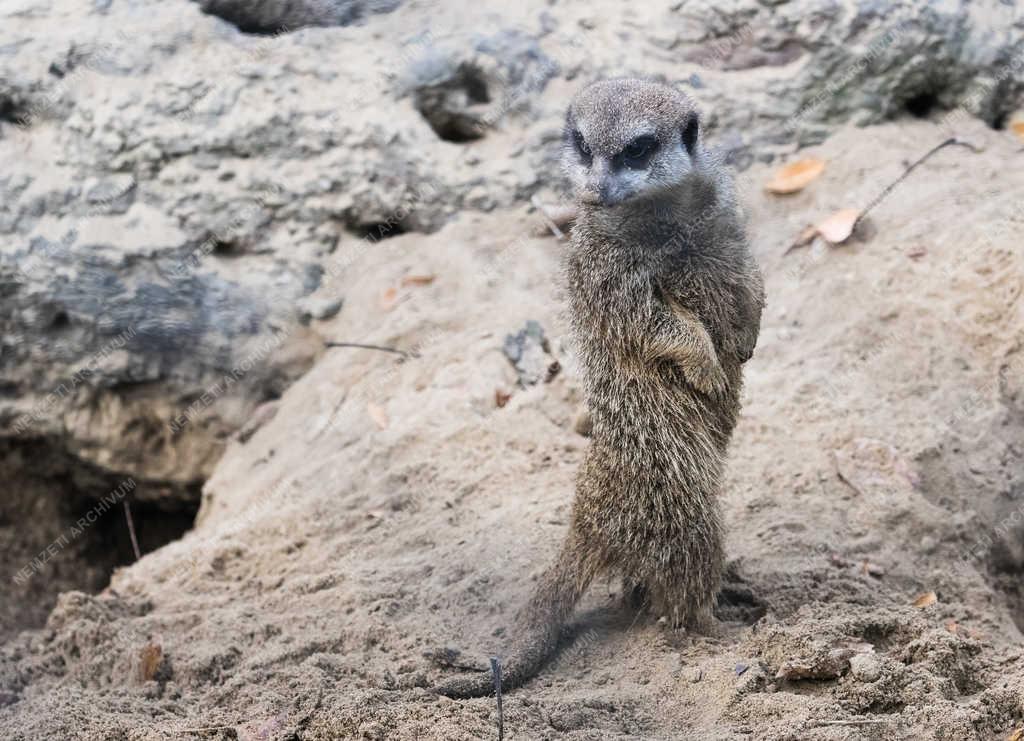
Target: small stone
(318, 308)
(865, 667)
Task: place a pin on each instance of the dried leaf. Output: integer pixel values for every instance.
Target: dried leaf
(389, 298)
(417, 280)
(377, 413)
(1017, 127)
(1017, 735)
(795, 176)
(150, 657)
(501, 397)
(923, 600)
(838, 227)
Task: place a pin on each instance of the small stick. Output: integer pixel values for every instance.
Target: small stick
(382, 348)
(888, 189)
(543, 210)
(204, 730)
(855, 722)
(131, 529)
(496, 672)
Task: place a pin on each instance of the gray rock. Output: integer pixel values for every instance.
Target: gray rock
(530, 353)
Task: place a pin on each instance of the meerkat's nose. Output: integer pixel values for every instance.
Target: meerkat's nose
(598, 185)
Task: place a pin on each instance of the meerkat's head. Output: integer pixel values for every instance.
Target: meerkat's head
(627, 139)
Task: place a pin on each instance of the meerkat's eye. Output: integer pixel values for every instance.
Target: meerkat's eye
(581, 146)
(638, 152)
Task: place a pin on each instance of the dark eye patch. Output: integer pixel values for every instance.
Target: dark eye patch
(637, 154)
(581, 147)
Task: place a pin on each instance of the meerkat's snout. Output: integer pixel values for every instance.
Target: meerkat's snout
(601, 185)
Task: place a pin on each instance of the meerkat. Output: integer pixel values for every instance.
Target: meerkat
(665, 301)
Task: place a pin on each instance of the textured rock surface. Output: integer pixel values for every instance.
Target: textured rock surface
(186, 210)
(196, 212)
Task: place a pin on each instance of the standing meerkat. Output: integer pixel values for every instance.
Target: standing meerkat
(666, 301)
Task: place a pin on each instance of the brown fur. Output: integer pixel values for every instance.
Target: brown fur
(666, 304)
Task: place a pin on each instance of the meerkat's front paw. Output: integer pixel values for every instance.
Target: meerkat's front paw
(709, 379)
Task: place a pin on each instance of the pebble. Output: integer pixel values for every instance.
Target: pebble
(865, 667)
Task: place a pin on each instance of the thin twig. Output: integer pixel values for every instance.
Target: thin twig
(952, 141)
(362, 346)
(842, 477)
(496, 672)
(131, 529)
(204, 730)
(855, 722)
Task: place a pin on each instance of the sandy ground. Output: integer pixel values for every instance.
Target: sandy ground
(387, 508)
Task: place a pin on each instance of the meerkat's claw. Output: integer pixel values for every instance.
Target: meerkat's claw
(710, 380)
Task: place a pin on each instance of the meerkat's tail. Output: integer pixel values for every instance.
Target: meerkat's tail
(537, 630)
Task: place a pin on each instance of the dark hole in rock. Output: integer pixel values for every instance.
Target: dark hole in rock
(273, 17)
(457, 129)
(376, 231)
(155, 526)
(998, 121)
(475, 84)
(60, 320)
(222, 248)
(921, 105)
(63, 526)
(445, 106)
(11, 112)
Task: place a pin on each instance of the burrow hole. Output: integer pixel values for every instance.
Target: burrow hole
(63, 527)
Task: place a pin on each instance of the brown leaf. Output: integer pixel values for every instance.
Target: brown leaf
(388, 298)
(923, 600)
(501, 397)
(795, 176)
(1017, 127)
(417, 280)
(1017, 735)
(150, 657)
(377, 413)
(838, 227)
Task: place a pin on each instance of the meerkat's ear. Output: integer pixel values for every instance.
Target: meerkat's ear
(691, 128)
